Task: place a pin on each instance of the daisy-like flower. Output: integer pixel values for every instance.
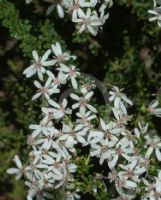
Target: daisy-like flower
(57, 4)
(157, 15)
(102, 150)
(48, 114)
(152, 192)
(141, 130)
(59, 56)
(62, 177)
(110, 131)
(36, 190)
(60, 109)
(75, 7)
(128, 138)
(154, 144)
(142, 163)
(120, 150)
(122, 183)
(84, 120)
(38, 65)
(58, 80)
(95, 136)
(88, 22)
(19, 170)
(130, 171)
(47, 140)
(118, 97)
(153, 108)
(71, 73)
(41, 128)
(72, 135)
(46, 90)
(82, 103)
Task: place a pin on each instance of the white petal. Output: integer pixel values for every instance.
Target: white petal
(90, 107)
(60, 11)
(89, 95)
(130, 184)
(74, 82)
(112, 163)
(75, 97)
(12, 171)
(35, 56)
(37, 84)
(158, 154)
(37, 95)
(148, 152)
(49, 63)
(18, 162)
(46, 55)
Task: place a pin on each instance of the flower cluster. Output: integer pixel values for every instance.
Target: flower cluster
(83, 12)
(156, 11)
(52, 140)
(130, 153)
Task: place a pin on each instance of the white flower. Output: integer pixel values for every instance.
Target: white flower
(141, 130)
(60, 57)
(41, 128)
(142, 163)
(48, 114)
(153, 108)
(72, 135)
(47, 140)
(60, 110)
(46, 90)
(157, 15)
(38, 65)
(128, 138)
(19, 170)
(95, 136)
(122, 182)
(84, 120)
(151, 190)
(75, 7)
(61, 78)
(154, 144)
(110, 131)
(117, 152)
(130, 171)
(88, 22)
(62, 177)
(102, 149)
(71, 72)
(83, 102)
(58, 6)
(119, 98)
